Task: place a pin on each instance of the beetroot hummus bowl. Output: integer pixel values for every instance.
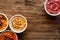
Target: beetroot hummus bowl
(52, 7)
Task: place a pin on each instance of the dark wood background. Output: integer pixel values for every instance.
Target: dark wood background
(41, 26)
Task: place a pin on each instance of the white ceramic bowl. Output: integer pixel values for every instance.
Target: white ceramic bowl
(49, 12)
(10, 24)
(7, 22)
(10, 31)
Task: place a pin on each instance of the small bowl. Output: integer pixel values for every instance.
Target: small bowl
(7, 22)
(49, 12)
(10, 24)
(11, 32)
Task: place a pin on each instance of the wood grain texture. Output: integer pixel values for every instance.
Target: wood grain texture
(41, 26)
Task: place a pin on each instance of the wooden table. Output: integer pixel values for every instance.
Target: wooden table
(41, 26)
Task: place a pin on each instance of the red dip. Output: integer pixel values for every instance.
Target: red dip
(53, 6)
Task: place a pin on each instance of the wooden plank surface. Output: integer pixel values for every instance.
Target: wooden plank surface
(41, 26)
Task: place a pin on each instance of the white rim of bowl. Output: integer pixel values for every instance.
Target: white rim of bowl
(12, 32)
(49, 12)
(11, 24)
(7, 22)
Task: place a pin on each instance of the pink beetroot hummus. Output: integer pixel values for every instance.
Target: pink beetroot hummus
(53, 6)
